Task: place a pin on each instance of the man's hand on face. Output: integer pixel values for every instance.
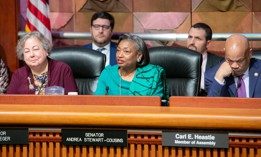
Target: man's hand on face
(223, 71)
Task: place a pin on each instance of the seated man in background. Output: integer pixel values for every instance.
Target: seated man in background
(199, 39)
(40, 71)
(102, 24)
(4, 77)
(133, 75)
(239, 75)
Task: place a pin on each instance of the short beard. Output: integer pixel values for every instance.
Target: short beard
(192, 47)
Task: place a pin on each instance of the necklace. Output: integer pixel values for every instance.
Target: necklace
(40, 82)
(127, 76)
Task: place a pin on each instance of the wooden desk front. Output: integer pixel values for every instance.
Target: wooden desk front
(144, 125)
(215, 102)
(80, 100)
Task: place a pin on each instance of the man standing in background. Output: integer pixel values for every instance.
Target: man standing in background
(199, 39)
(102, 24)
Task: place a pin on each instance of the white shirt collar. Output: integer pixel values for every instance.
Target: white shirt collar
(106, 52)
(95, 47)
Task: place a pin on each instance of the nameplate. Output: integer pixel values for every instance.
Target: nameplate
(14, 136)
(95, 137)
(195, 139)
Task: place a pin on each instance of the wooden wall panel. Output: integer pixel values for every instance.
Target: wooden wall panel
(9, 31)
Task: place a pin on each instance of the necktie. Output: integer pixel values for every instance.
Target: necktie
(241, 88)
(101, 49)
(104, 52)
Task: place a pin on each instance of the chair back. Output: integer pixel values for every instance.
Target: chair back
(182, 66)
(86, 64)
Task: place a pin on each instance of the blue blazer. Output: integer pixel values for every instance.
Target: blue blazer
(113, 50)
(229, 89)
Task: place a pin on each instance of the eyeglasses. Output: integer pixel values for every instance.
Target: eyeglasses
(104, 27)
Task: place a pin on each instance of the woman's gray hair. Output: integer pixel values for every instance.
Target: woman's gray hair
(140, 46)
(47, 46)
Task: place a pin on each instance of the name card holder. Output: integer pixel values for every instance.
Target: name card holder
(95, 137)
(195, 139)
(14, 136)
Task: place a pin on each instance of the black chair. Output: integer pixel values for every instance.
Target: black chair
(86, 64)
(182, 66)
(256, 54)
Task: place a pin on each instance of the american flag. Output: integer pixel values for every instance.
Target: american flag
(37, 17)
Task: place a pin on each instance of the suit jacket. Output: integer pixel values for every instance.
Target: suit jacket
(113, 50)
(213, 60)
(229, 89)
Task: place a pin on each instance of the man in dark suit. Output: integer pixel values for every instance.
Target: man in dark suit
(239, 75)
(199, 38)
(102, 24)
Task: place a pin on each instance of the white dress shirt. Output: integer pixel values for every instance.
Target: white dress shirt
(203, 69)
(106, 51)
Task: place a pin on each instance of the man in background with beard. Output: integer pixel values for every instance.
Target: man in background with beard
(199, 39)
(102, 24)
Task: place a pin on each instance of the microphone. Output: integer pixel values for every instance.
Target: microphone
(31, 86)
(107, 90)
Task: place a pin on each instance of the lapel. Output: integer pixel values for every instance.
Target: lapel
(113, 50)
(209, 60)
(213, 60)
(230, 81)
(88, 46)
(253, 76)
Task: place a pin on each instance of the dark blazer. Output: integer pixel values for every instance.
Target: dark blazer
(213, 60)
(113, 50)
(229, 89)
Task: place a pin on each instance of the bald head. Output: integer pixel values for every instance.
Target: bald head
(238, 53)
(237, 42)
